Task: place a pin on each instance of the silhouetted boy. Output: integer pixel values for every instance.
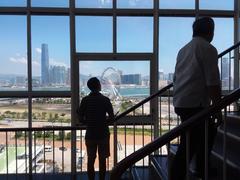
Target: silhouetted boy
(92, 113)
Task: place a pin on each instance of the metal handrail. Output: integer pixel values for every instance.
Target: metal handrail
(229, 49)
(122, 166)
(161, 91)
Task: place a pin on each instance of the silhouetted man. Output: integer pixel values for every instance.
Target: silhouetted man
(92, 113)
(196, 86)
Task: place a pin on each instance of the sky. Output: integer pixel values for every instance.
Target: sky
(94, 34)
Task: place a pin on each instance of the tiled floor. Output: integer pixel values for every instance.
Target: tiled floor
(82, 176)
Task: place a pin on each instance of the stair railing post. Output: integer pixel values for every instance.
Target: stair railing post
(187, 154)
(224, 144)
(115, 139)
(206, 148)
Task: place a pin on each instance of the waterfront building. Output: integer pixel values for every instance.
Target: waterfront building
(131, 79)
(57, 75)
(44, 65)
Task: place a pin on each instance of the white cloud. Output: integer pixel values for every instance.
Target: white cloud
(22, 60)
(35, 63)
(19, 60)
(38, 50)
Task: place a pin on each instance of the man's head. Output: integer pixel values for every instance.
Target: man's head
(94, 84)
(204, 27)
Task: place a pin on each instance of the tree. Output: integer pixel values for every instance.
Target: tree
(44, 115)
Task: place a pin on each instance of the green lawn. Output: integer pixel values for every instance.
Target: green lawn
(11, 156)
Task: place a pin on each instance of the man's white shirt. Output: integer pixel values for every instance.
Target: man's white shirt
(196, 69)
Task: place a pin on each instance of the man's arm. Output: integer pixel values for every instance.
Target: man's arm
(215, 96)
(110, 112)
(81, 112)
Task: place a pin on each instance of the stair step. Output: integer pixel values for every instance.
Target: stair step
(140, 173)
(232, 151)
(159, 166)
(173, 148)
(232, 126)
(217, 163)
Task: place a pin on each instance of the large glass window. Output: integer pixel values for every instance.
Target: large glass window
(15, 3)
(50, 3)
(13, 113)
(48, 112)
(217, 4)
(223, 39)
(176, 4)
(13, 45)
(94, 3)
(134, 34)
(51, 53)
(124, 82)
(223, 34)
(173, 34)
(135, 4)
(94, 34)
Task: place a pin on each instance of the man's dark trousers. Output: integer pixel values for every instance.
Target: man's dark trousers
(197, 145)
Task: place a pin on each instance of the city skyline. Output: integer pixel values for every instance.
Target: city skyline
(94, 34)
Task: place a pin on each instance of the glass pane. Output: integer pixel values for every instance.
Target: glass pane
(51, 53)
(14, 153)
(48, 112)
(50, 3)
(144, 4)
(124, 82)
(13, 112)
(223, 34)
(94, 34)
(176, 4)
(13, 45)
(16, 3)
(170, 42)
(225, 26)
(217, 4)
(134, 34)
(94, 3)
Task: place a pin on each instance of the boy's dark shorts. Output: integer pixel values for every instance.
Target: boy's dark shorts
(101, 145)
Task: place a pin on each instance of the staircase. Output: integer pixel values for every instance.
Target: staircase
(158, 164)
(225, 155)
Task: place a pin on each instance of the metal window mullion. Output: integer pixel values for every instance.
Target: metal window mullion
(197, 9)
(154, 66)
(29, 52)
(114, 27)
(236, 39)
(74, 85)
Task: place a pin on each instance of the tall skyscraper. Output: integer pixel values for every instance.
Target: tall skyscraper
(44, 65)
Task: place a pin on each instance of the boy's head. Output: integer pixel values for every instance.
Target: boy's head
(94, 84)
